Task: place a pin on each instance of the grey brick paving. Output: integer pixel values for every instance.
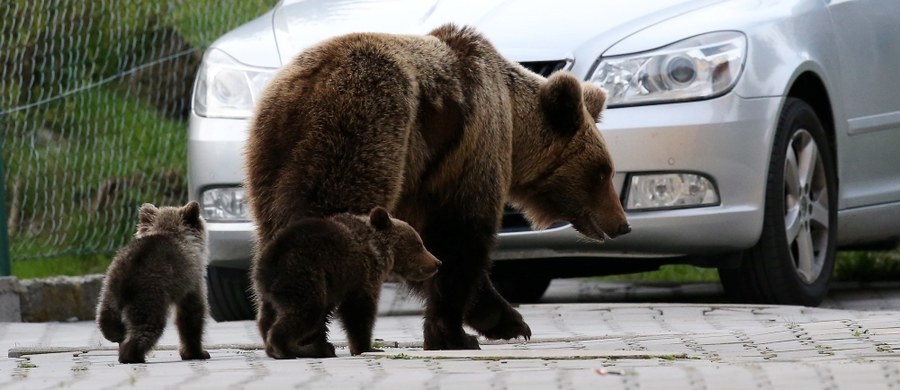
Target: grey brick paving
(851, 343)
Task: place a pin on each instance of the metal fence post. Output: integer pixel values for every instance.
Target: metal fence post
(5, 268)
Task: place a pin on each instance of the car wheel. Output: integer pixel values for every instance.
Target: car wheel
(228, 292)
(521, 289)
(794, 258)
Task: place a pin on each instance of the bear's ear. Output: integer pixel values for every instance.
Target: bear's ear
(191, 213)
(594, 99)
(562, 103)
(380, 219)
(147, 213)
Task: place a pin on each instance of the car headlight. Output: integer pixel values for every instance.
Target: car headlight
(225, 204)
(700, 67)
(225, 88)
(657, 191)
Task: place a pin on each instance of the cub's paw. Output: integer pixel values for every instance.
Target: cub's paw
(201, 355)
(275, 352)
(131, 360)
(130, 354)
(317, 350)
(355, 352)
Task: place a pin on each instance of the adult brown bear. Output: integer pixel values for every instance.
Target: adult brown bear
(443, 131)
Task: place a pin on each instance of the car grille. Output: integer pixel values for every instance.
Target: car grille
(513, 220)
(545, 68)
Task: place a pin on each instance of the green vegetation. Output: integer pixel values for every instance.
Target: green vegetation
(859, 266)
(63, 265)
(195, 24)
(871, 266)
(93, 108)
(669, 273)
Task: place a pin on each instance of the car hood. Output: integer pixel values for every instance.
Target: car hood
(523, 30)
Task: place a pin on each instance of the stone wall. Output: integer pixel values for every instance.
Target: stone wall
(59, 298)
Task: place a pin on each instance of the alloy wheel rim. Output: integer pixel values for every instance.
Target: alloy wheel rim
(806, 217)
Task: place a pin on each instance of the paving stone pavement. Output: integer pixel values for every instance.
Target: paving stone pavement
(626, 342)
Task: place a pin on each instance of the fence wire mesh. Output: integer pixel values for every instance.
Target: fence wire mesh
(94, 101)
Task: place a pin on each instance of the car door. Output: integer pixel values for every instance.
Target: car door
(867, 33)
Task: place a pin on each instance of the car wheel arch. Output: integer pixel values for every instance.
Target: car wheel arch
(810, 88)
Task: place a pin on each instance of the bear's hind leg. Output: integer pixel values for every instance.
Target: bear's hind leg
(299, 332)
(357, 314)
(190, 319)
(265, 317)
(144, 326)
(282, 341)
(110, 322)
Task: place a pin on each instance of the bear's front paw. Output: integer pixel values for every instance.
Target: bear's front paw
(503, 325)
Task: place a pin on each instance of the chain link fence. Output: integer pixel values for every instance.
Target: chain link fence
(94, 101)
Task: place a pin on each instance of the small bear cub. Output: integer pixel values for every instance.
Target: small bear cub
(163, 266)
(316, 265)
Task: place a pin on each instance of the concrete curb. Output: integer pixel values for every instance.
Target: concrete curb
(58, 298)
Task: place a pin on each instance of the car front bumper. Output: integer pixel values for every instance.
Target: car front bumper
(728, 139)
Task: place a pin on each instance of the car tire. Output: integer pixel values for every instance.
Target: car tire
(793, 261)
(521, 289)
(228, 294)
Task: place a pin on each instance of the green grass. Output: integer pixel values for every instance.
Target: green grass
(66, 265)
(669, 273)
(91, 179)
(867, 266)
(858, 266)
(206, 20)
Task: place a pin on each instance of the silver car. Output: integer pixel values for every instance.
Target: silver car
(752, 136)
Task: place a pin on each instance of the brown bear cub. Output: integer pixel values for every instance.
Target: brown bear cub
(318, 264)
(164, 265)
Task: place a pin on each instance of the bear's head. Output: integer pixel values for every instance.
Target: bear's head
(185, 223)
(572, 177)
(411, 260)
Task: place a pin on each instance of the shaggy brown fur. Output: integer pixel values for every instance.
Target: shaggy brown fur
(164, 265)
(317, 264)
(443, 131)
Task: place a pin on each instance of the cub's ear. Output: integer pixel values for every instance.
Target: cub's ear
(191, 212)
(562, 103)
(147, 213)
(594, 99)
(380, 219)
